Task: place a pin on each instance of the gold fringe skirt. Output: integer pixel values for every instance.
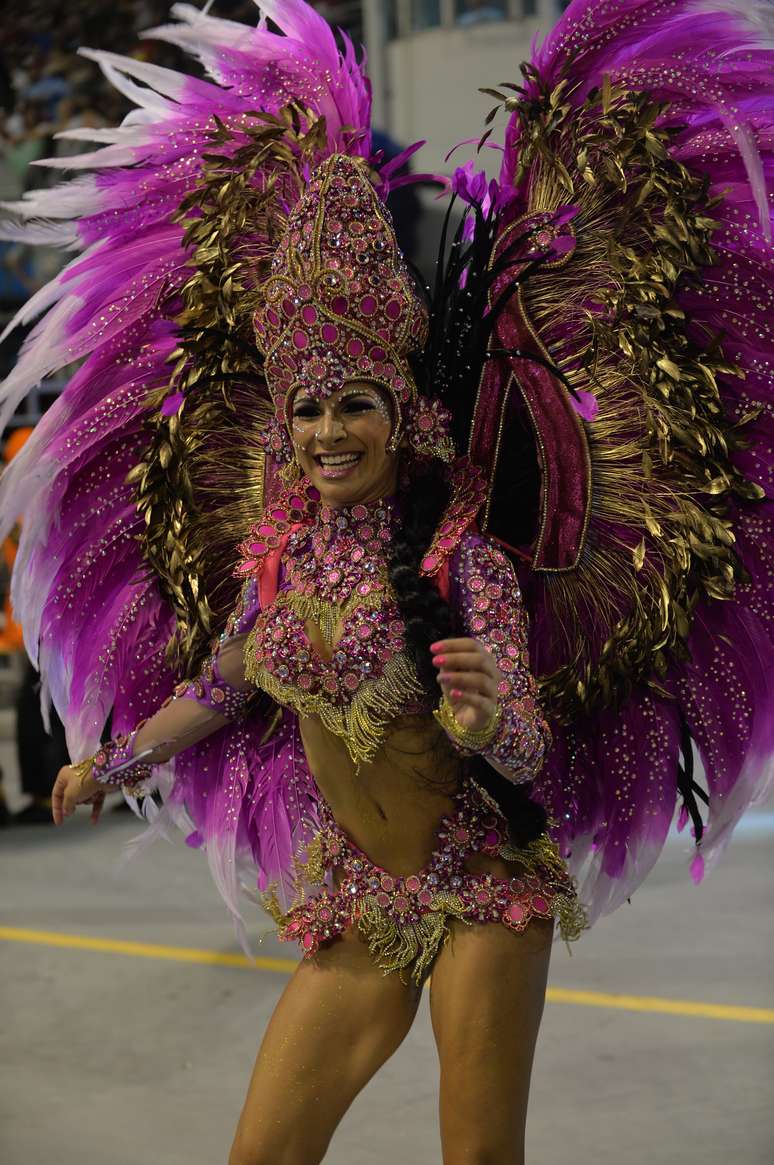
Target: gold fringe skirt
(405, 920)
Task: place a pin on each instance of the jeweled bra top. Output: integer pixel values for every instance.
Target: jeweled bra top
(358, 677)
(309, 563)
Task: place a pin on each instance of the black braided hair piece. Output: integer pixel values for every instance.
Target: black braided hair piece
(428, 618)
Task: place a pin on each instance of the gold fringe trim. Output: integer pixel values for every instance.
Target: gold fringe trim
(362, 723)
(541, 857)
(661, 447)
(397, 946)
(326, 615)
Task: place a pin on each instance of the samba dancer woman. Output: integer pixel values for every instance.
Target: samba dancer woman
(343, 711)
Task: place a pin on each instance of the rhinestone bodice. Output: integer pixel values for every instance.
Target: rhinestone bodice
(332, 643)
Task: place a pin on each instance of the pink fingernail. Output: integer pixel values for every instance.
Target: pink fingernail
(439, 660)
(456, 692)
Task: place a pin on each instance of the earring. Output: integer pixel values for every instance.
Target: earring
(290, 471)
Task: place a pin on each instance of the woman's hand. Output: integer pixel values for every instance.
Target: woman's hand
(468, 675)
(72, 787)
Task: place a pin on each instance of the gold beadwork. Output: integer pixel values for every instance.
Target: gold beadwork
(290, 472)
(410, 946)
(83, 770)
(362, 722)
(661, 449)
(476, 741)
(397, 946)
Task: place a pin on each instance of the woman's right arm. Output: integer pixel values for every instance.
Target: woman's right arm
(218, 695)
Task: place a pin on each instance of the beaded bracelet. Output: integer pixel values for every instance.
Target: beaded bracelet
(474, 741)
(115, 759)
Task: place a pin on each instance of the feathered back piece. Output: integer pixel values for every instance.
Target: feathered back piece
(159, 426)
(624, 265)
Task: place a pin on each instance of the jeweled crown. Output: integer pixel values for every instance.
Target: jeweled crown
(339, 303)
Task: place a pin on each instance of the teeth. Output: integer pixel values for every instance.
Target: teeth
(340, 458)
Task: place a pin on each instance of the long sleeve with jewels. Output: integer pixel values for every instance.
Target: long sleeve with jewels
(220, 694)
(486, 594)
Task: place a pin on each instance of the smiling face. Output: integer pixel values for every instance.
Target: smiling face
(341, 441)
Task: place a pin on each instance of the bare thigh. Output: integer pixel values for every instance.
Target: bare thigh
(486, 1001)
(338, 1020)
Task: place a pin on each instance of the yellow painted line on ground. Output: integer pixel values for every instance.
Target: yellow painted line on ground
(655, 1003)
(112, 946)
(643, 1003)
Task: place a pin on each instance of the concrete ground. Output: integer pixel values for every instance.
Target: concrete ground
(108, 1057)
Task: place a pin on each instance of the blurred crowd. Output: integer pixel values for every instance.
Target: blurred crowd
(45, 88)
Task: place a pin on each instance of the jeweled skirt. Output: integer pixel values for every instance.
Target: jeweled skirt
(406, 919)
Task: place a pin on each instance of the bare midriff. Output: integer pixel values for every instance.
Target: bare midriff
(391, 806)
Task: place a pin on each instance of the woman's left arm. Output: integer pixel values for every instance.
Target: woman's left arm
(490, 703)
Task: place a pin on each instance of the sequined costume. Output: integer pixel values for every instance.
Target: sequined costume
(593, 367)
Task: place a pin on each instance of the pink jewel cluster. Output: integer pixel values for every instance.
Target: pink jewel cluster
(428, 428)
(469, 496)
(553, 236)
(492, 613)
(211, 691)
(339, 303)
(472, 827)
(112, 755)
(275, 440)
(343, 555)
(296, 505)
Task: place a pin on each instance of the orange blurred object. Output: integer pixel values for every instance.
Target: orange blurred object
(11, 638)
